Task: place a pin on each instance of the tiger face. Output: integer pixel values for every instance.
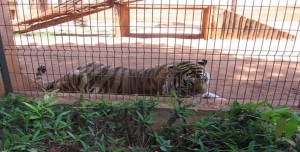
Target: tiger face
(186, 78)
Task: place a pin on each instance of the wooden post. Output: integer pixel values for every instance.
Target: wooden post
(206, 23)
(217, 22)
(233, 5)
(2, 89)
(121, 20)
(18, 81)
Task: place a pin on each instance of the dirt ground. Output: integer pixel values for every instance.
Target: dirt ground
(256, 74)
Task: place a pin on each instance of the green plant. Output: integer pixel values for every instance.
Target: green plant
(131, 125)
(283, 118)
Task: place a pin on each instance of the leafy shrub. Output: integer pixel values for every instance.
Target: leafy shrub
(46, 125)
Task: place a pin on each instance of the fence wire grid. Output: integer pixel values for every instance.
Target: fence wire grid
(250, 46)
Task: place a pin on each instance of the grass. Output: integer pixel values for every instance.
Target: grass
(32, 124)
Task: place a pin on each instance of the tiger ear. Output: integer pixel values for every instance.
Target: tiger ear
(170, 66)
(202, 62)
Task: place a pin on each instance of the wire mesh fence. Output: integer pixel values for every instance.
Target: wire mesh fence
(250, 46)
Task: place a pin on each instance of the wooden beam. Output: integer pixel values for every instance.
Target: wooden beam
(157, 6)
(121, 20)
(2, 89)
(18, 81)
(54, 21)
(206, 17)
(63, 13)
(169, 35)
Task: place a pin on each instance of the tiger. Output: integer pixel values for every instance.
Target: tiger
(185, 78)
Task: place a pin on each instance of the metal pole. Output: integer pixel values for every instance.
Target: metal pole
(4, 69)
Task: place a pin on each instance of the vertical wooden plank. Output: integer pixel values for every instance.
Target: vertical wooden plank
(121, 20)
(258, 29)
(230, 26)
(284, 35)
(225, 26)
(219, 22)
(236, 26)
(262, 30)
(242, 27)
(19, 82)
(246, 29)
(257, 26)
(270, 33)
(252, 29)
(206, 29)
(213, 24)
(267, 30)
(275, 34)
(290, 37)
(279, 35)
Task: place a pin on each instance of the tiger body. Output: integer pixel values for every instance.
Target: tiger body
(185, 78)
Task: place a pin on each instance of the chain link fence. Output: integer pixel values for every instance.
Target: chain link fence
(250, 46)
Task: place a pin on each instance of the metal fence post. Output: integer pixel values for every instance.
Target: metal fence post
(4, 69)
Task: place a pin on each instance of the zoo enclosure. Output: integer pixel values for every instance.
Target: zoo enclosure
(250, 46)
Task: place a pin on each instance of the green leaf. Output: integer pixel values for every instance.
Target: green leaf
(251, 146)
(102, 146)
(18, 147)
(69, 120)
(26, 119)
(260, 104)
(280, 126)
(201, 145)
(141, 116)
(35, 135)
(53, 102)
(7, 144)
(292, 126)
(6, 114)
(119, 150)
(158, 138)
(174, 94)
(282, 110)
(270, 106)
(50, 111)
(234, 148)
(32, 107)
(163, 148)
(84, 145)
(266, 114)
(70, 134)
(58, 120)
(150, 116)
(34, 117)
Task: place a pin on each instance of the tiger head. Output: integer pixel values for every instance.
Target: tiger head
(186, 78)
